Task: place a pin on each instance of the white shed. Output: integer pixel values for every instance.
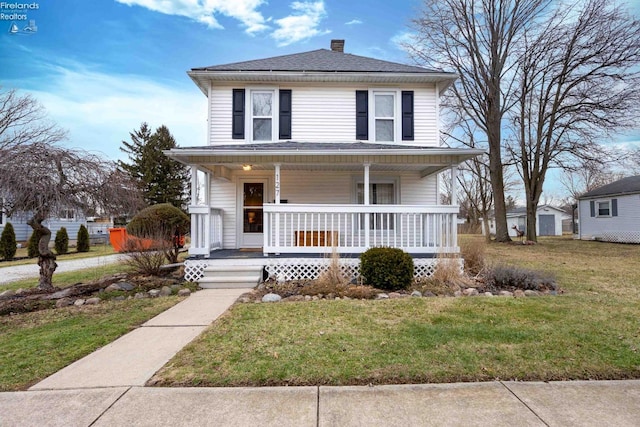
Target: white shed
(612, 212)
(548, 221)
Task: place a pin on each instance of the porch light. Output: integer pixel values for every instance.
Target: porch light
(246, 167)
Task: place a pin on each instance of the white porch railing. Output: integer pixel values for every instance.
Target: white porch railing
(206, 230)
(295, 228)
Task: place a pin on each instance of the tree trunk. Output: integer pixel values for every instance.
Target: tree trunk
(46, 258)
(485, 226)
(531, 223)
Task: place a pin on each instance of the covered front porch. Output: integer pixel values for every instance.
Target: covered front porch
(392, 190)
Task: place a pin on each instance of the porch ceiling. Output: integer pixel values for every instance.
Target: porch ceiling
(325, 156)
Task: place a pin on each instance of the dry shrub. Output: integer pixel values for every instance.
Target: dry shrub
(142, 259)
(473, 253)
(333, 275)
(360, 292)
(446, 279)
(509, 277)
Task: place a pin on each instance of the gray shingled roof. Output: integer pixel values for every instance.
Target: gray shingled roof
(319, 60)
(623, 186)
(311, 146)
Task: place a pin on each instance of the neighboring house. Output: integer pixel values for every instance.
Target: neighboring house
(318, 151)
(548, 221)
(612, 212)
(67, 218)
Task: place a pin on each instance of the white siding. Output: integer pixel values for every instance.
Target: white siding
(425, 117)
(223, 196)
(326, 113)
(220, 104)
(622, 228)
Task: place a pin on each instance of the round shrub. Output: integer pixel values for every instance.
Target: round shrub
(61, 242)
(387, 268)
(83, 239)
(32, 248)
(8, 244)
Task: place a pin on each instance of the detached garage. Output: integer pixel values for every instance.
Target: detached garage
(611, 213)
(548, 221)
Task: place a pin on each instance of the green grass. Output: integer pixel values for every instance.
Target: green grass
(62, 280)
(589, 332)
(36, 345)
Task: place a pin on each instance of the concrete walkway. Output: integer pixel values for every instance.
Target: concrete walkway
(133, 358)
(580, 403)
(28, 271)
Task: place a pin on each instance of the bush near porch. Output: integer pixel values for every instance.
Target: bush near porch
(590, 332)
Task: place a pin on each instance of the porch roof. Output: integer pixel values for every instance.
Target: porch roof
(324, 156)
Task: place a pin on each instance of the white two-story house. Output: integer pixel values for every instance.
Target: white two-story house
(317, 152)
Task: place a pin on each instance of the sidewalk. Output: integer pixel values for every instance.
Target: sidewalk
(19, 272)
(579, 403)
(133, 358)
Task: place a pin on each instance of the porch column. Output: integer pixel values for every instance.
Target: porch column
(277, 219)
(454, 202)
(194, 185)
(367, 217)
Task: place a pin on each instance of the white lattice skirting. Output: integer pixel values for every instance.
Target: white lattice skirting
(311, 268)
(620, 236)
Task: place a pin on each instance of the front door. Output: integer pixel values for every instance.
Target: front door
(253, 196)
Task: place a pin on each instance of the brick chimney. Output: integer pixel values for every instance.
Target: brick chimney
(337, 45)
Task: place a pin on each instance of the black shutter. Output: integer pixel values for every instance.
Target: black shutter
(592, 205)
(614, 207)
(362, 114)
(285, 114)
(407, 115)
(238, 114)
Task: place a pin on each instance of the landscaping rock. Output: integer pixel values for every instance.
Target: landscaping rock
(165, 291)
(243, 300)
(530, 293)
(126, 286)
(395, 295)
(154, 293)
(78, 302)
(184, 292)
(112, 288)
(315, 298)
(176, 288)
(429, 294)
(271, 298)
(470, 292)
(63, 303)
(294, 298)
(505, 294)
(417, 294)
(8, 293)
(19, 291)
(307, 297)
(457, 294)
(518, 293)
(488, 294)
(382, 296)
(141, 295)
(92, 301)
(553, 293)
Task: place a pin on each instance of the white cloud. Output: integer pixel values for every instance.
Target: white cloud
(99, 110)
(353, 22)
(403, 39)
(301, 25)
(204, 11)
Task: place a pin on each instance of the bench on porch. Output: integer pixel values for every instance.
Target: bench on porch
(316, 238)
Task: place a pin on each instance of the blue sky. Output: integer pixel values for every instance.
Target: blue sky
(102, 67)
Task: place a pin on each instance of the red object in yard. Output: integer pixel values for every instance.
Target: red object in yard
(119, 237)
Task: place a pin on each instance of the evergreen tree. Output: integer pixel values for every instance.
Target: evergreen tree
(32, 248)
(83, 239)
(8, 245)
(161, 179)
(61, 242)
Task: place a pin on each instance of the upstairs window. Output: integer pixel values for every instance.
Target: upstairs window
(604, 208)
(262, 115)
(384, 116)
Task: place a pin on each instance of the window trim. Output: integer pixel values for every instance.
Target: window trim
(275, 109)
(397, 113)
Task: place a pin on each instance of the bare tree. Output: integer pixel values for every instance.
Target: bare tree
(476, 39)
(577, 80)
(585, 177)
(39, 178)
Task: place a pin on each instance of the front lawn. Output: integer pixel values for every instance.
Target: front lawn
(590, 332)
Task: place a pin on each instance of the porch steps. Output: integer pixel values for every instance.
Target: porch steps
(231, 276)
